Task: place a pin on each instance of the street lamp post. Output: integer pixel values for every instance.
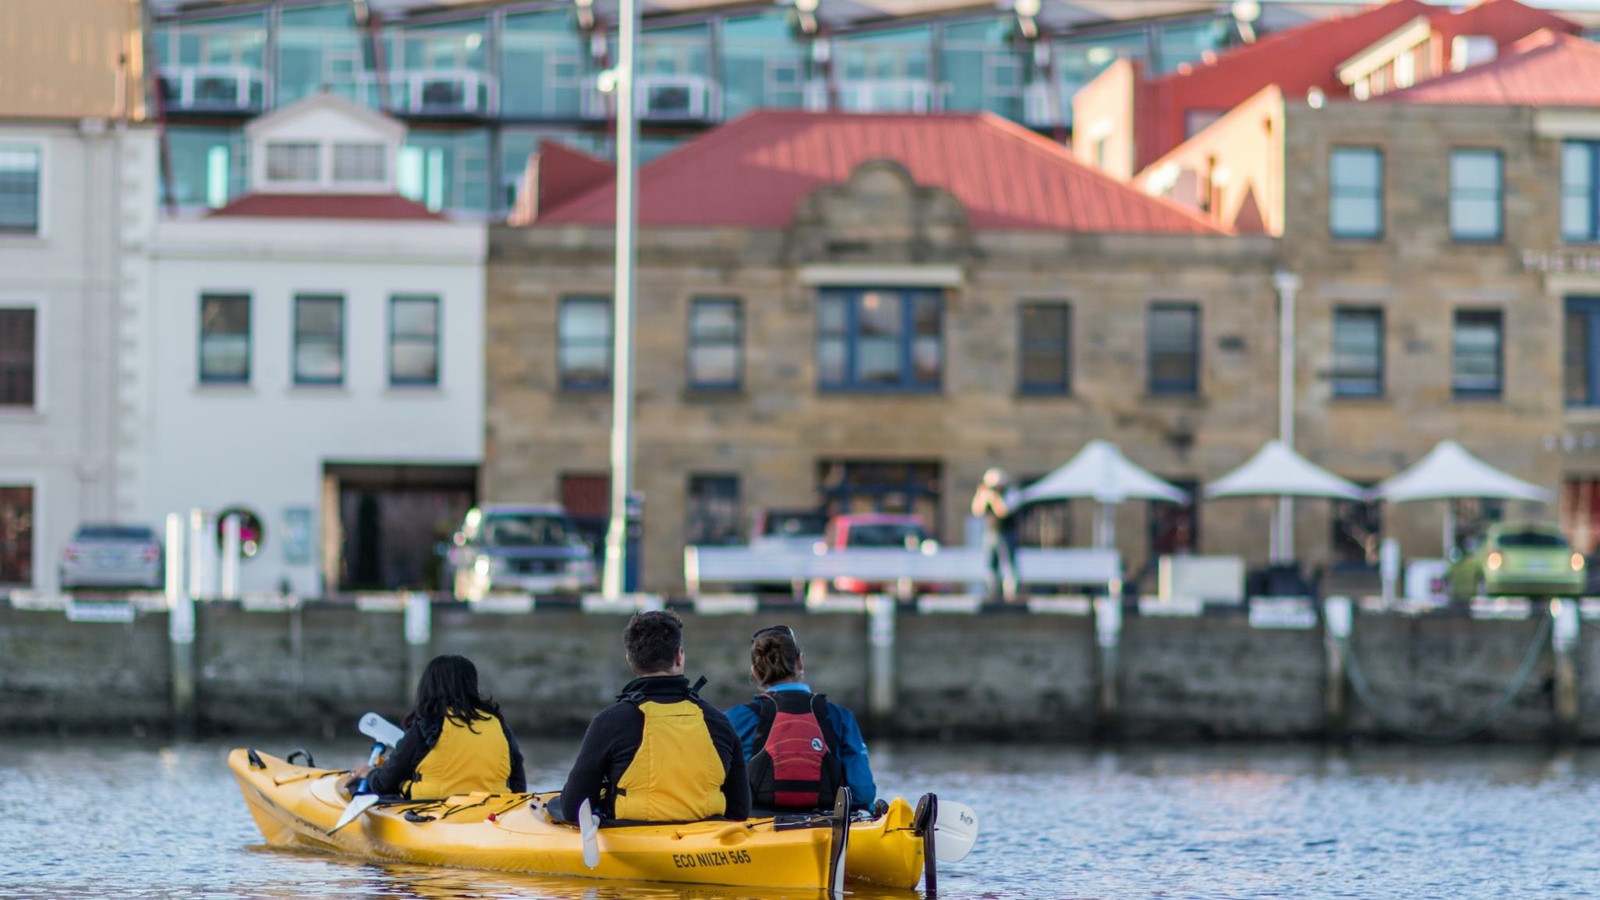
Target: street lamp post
(611, 585)
(1288, 285)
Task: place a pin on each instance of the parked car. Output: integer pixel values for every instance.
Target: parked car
(113, 556)
(799, 528)
(519, 547)
(1519, 558)
(882, 530)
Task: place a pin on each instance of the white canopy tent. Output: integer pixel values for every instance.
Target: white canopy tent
(1277, 471)
(1100, 471)
(1449, 472)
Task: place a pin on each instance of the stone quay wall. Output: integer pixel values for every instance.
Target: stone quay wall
(996, 675)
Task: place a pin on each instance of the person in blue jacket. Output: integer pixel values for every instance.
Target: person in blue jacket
(801, 748)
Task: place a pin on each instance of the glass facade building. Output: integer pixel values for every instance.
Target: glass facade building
(481, 86)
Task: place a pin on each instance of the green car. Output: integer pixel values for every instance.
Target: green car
(1519, 558)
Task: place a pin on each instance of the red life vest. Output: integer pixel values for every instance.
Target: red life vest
(794, 765)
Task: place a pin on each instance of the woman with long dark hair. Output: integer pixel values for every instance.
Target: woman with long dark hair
(455, 742)
(800, 747)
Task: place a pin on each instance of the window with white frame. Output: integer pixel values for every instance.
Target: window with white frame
(360, 163)
(19, 189)
(1355, 192)
(1475, 192)
(1580, 191)
(294, 161)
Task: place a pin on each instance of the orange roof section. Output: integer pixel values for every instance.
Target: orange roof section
(755, 170)
(1545, 68)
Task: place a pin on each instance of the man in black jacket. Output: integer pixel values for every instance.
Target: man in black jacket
(660, 753)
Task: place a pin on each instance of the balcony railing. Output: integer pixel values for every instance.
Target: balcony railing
(220, 89)
(916, 95)
(661, 98)
(433, 92)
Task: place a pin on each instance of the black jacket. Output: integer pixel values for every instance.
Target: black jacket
(614, 737)
(401, 763)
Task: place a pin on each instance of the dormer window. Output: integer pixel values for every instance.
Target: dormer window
(324, 144)
(294, 162)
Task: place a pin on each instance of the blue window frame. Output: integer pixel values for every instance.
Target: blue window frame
(413, 341)
(1581, 356)
(1355, 193)
(1357, 352)
(1476, 208)
(224, 339)
(880, 339)
(1044, 343)
(584, 354)
(318, 339)
(1477, 363)
(1580, 191)
(1173, 348)
(716, 344)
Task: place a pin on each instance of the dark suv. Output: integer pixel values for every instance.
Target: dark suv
(519, 547)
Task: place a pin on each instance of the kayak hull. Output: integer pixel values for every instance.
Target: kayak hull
(298, 806)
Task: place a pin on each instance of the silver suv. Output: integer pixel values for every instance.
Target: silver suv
(519, 547)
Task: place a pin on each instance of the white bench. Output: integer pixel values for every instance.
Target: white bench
(949, 565)
(1187, 580)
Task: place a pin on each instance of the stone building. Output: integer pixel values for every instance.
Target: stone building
(1444, 234)
(864, 313)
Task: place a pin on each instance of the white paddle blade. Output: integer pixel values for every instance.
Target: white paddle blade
(589, 827)
(381, 730)
(360, 804)
(955, 832)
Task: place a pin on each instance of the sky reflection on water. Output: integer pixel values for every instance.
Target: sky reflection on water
(102, 818)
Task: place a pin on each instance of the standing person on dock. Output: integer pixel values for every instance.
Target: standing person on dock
(660, 753)
(999, 533)
(800, 747)
(456, 741)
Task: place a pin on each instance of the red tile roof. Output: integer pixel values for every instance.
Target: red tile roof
(327, 206)
(755, 170)
(1543, 69)
(1295, 60)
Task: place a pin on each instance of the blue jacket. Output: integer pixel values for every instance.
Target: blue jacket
(852, 750)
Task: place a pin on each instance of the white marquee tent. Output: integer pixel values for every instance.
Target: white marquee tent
(1101, 472)
(1278, 471)
(1449, 472)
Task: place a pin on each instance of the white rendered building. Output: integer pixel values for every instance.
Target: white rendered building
(316, 359)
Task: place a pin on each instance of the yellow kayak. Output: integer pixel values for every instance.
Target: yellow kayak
(298, 806)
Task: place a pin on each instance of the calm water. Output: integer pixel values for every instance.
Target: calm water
(109, 818)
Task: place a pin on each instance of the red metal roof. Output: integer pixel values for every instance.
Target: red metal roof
(1295, 60)
(755, 170)
(1542, 69)
(327, 206)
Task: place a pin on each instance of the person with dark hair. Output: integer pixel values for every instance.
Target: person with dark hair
(455, 742)
(799, 747)
(660, 753)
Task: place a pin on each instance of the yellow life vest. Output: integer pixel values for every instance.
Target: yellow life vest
(463, 760)
(676, 776)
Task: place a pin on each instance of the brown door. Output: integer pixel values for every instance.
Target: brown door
(16, 535)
